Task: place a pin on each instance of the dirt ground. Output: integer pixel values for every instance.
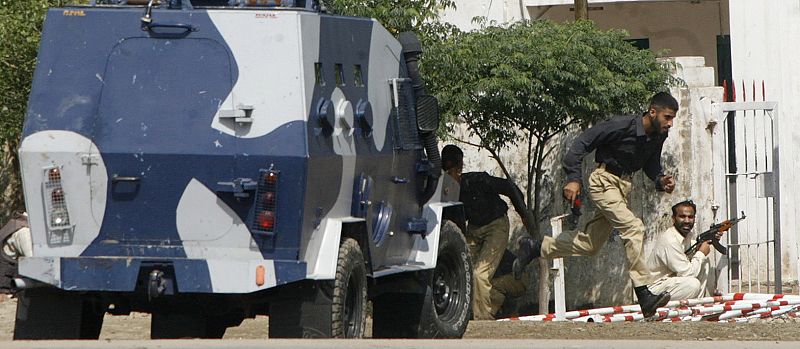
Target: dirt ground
(137, 326)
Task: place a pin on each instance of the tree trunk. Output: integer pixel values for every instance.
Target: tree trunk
(581, 9)
(11, 195)
(544, 264)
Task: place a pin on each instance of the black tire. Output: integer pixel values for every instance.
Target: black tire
(45, 313)
(325, 309)
(443, 311)
(349, 308)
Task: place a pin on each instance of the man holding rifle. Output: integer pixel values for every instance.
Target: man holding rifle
(684, 277)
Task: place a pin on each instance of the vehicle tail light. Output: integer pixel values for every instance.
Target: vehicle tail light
(55, 200)
(266, 202)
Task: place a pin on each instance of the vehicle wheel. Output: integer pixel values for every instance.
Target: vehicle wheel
(55, 314)
(349, 308)
(443, 311)
(325, 309)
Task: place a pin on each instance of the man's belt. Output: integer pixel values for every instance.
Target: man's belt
(617, 171)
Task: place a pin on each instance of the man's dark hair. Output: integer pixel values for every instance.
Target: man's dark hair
(663, 100)
(689, 203)
(452, 156)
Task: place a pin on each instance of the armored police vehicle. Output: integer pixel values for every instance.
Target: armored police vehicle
(210, 161)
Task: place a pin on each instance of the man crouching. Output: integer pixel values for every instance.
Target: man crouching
(675, 272)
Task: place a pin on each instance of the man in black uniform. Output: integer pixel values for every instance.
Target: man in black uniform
(487, 223)
(624, 145)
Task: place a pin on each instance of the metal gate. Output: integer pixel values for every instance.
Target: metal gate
(746, 178)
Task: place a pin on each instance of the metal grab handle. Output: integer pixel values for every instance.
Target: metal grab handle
(399, 180)
(116, 179)
(188, 28)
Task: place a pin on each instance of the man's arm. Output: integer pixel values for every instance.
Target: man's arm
(654, 171)
(587, 142)
(677, 261)
(507, 188)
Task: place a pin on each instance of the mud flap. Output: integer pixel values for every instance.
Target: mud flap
(302, 311)
(45, 313)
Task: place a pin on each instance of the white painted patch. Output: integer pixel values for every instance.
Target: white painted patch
(323, 250)
(85, 187)
(384, 64)
(46, 269)
(233, 276)
(310, 56)
(266, 50)
(209, 228)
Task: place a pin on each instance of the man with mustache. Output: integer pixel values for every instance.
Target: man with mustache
(624, 145)
(675, 272)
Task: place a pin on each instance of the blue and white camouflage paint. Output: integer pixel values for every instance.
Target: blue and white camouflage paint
(180, 117)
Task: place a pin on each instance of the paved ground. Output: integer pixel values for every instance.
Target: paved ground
(389, 344)
(577, 335)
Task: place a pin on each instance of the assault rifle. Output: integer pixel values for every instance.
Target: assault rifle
(711, 235)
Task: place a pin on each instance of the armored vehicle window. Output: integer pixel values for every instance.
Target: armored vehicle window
(320, 77)
(265, 3)
(339, 75)
(357, 75)
(203, 3)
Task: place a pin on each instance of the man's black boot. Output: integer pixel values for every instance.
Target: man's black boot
(527, 250)
(650, 302)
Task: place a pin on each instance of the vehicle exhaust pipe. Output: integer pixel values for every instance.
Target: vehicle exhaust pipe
(427, 111)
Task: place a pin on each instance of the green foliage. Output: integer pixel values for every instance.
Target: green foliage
(540, 77)
(20, 28)
(418, 16)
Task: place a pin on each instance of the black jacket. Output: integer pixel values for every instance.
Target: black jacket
(622, 145)
(480, 194)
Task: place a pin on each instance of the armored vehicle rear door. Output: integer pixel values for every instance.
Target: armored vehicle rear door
(153, 131)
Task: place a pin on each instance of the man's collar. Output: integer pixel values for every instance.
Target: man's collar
(640, 127)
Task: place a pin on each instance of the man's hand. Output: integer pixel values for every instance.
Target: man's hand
(571, 191)
(705, 247)
(718, 235)
(668, 183)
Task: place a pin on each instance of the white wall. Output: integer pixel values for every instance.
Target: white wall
(763, 46)
(500, 11)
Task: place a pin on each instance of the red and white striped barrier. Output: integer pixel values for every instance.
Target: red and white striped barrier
(730, 307)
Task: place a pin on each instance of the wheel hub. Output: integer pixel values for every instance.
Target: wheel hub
(441, 294)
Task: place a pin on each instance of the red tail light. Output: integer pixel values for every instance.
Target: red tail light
(266, 220)
(54, 175)
(268, 199)
(271, 178)
(57, 196)
(56, 206)
(266, 202)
